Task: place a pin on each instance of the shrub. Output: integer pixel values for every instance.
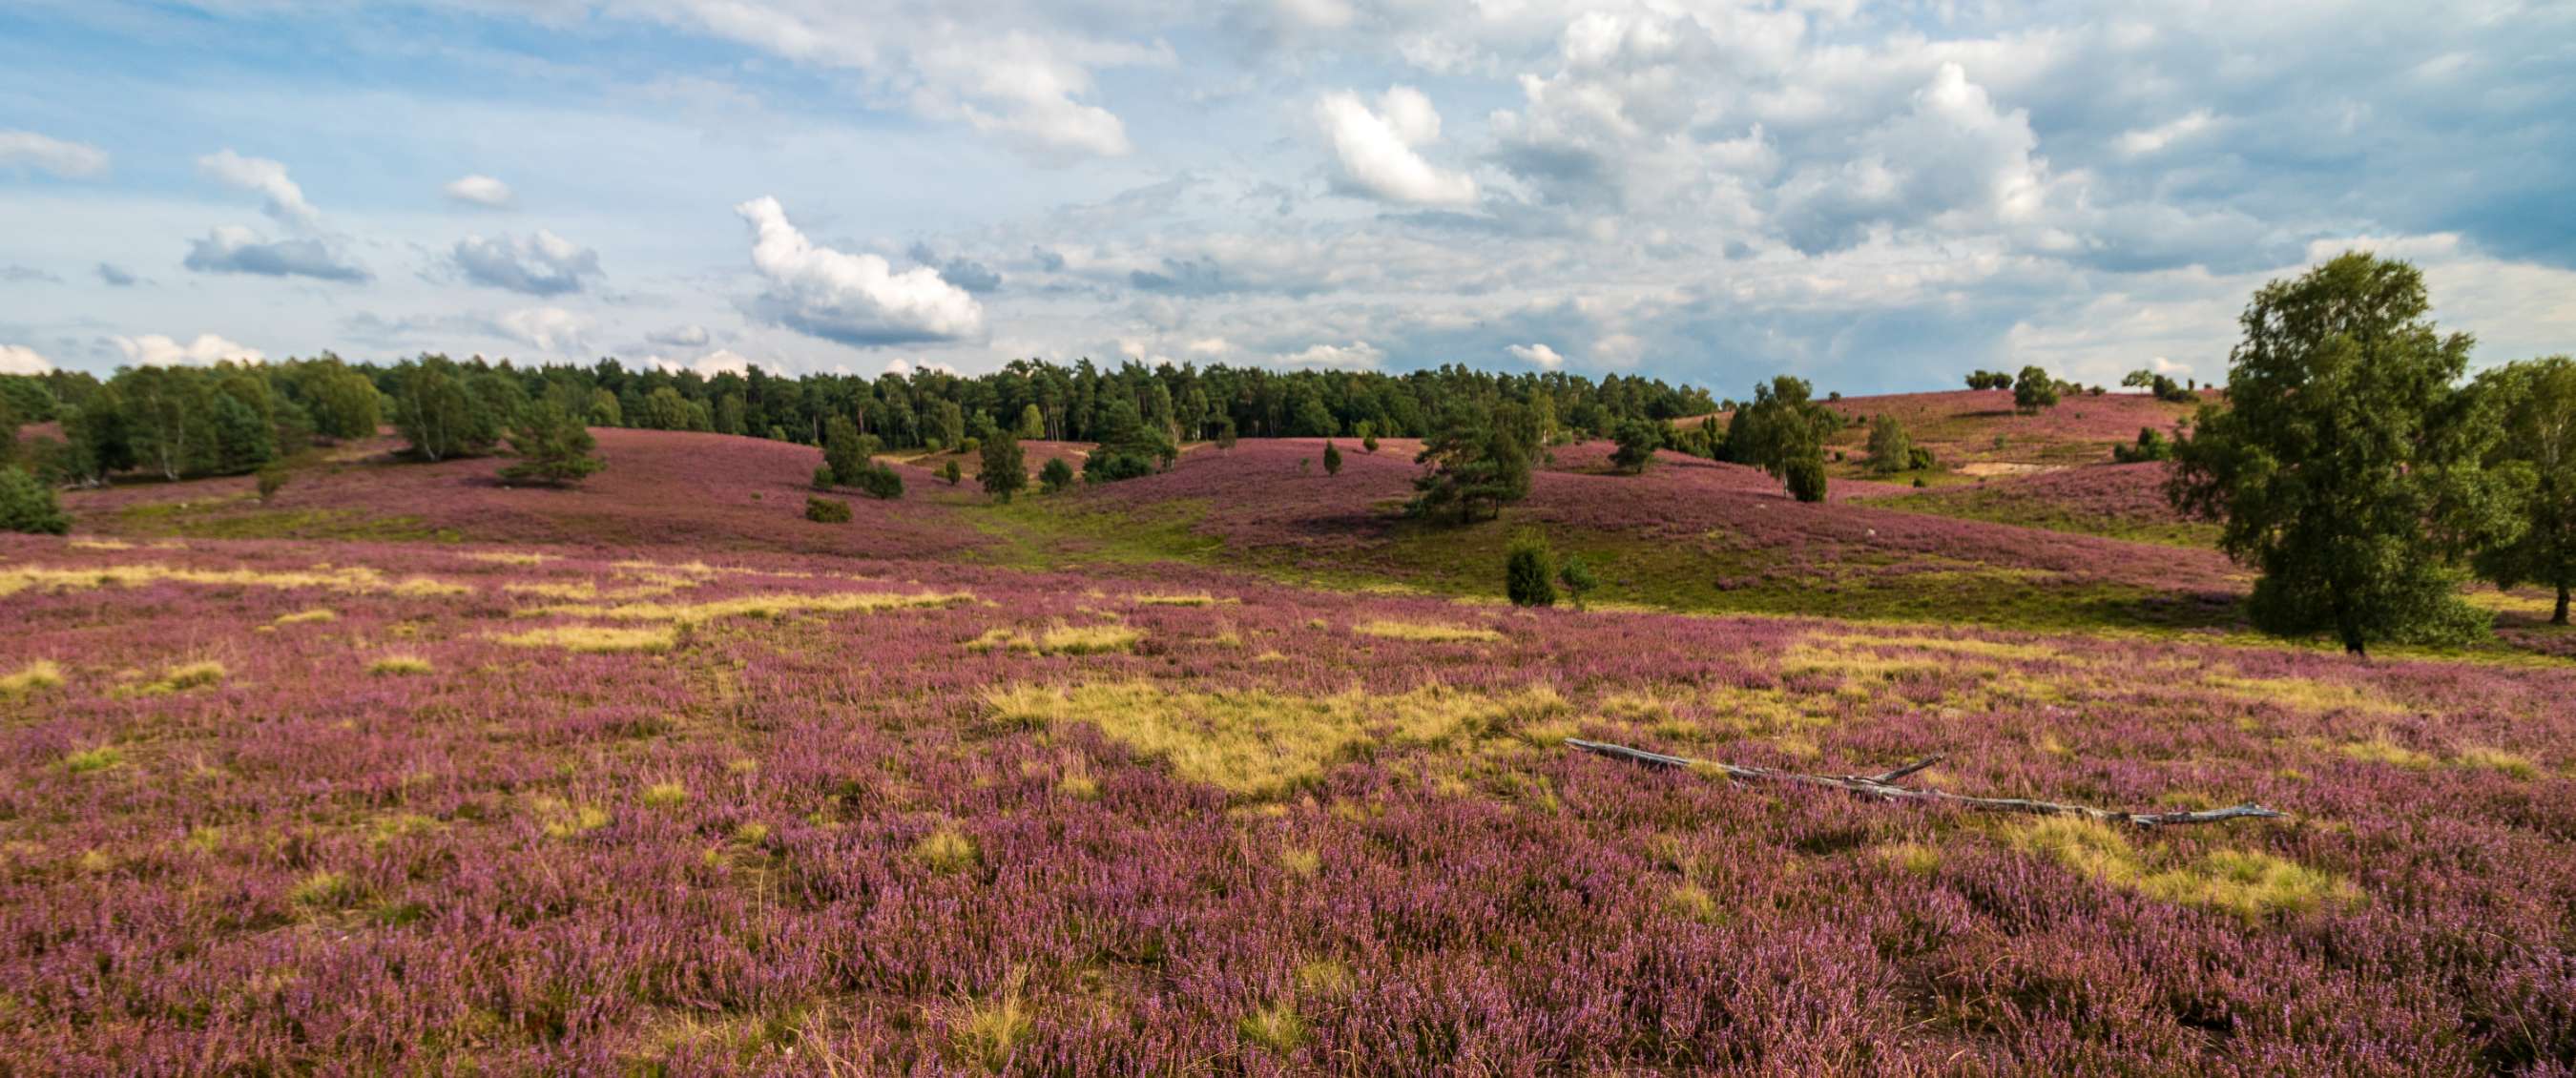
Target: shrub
(1528, 571)
(2034, 390)
(1005, 471)
(271, 480)
(823, 477)
(826, 510)
(27, 505)
(879, 481)
(2151, 445)
(1890, 448)
(1638, 439)
(554, 447)
(1576, 575)
(1805, 477)
(1332, 459)
(1055, 476)
(1920, 459)
(951, 472)
(1368, 444)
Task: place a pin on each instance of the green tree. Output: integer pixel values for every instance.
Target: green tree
(1805, 479)
(1478, 462)
(1576, 574)
(666, 409)
(846, 451)
(1637, 438)
(1782, 430)
(553, 445)
(951, 472)
(604, 409)
(344, 404)
(882, 482)
(1032, 422)
(1332, 459)
(434, 412)
(1890, 448)
(947, 424)
(1005, 472)
(2345, 463)
(2534, 402)
(1129, 447)
(27, 505)
(2034, 391)
(1529, 571)
(1055, 476)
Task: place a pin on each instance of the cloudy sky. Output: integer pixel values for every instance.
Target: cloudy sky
(1878, 197)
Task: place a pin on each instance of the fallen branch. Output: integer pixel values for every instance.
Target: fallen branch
(1883, 786)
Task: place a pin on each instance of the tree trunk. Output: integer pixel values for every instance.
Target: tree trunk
(2560, 618)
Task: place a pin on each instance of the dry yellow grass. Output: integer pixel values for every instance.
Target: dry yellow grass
(2247, 883)
(946, 850)
(185, 676)
(355, 579)
(510, 557)
(1427, 632)
(770, 605)
(1188, 599)
(399, 666)
(35, 677)
(1258, 743)
(2514, 764)
(1061, 640)
(593, 638)
(2380, 750)
(315, 616)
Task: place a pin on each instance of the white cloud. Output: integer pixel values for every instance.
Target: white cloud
(855, 299)
(908, 368)
(284, 199)
(479, 190)
(1538, 355)
(552, 329)
(66, 160)
(1357, 355)
(155, 350)
(2149, 140)
(20, 359)
(1376, 148)
(235, 249)
(544, 264)
(720, 361)
(691, 336)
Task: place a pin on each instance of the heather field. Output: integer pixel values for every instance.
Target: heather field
(1232, 769)
(281, 805)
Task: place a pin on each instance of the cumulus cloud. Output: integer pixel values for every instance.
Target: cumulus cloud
(1537, 355)
(2147, 140)
(1357, 355)
(22, 151)
(155, 350)
(855, 299)
(907, 368)
(1376, 149)
(20, 359)
(720, 361)
(479, 190)
(544, 264)
(961, 271)
(235, 249)
(283, 198)
(691, 336)
(552, 329)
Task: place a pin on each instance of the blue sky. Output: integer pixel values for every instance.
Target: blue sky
(1877, 197)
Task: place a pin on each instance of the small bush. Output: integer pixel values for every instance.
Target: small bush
(1055, 476)
(27, 505)
(826, 510)
(823, 477)
(951, 472)
(1368, 444)
(1806, 479)
(1332, 459)
(34, 678)
(89, 760)
(271, 480)
(1528, 571)
(1576, 575)
(880, 481)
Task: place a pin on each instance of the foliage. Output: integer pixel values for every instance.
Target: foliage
(1578, 578)
(1129, 446)
(1004, 472)
(1805, 479)
(554, 447)
(846, 451)
(1055, 475)
(1529, 571)
(2159, 386)
(951, 473)
(436, 410)
(1989, 380)
(271, 480)
(824, 478)
(1332, 459)
(2034, 391)
(1368, 443)
(2534, 404)
(1890, 448)
(27, 504)
(826, 510)
(2345, 465)
(1479, 461)
(882, 482)
(1637, 438)
(1783, 431)
(2151, 445)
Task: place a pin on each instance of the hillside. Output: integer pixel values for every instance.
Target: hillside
(1978, 433)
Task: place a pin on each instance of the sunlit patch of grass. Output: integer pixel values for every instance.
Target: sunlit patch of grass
(399, 666)
(356, 579)
(2514, 764)
(33, 678)
(772, 605)
(101, 544)
(2249, 884)
(593, 638)
(87, 761)
(1189, 599)
(1275, 1026)
(1693, 901)
(1325, 978)
(666, 795)
(1986, 649)
(2380, 750)
(1061, 640)
(947, 849)
(1076, 781)
(1426, 632)
(1914, 857)
(561, 820)
(2303, 694)
(510, 557)
(324, 889)
(183, 677)
(1258, 743)
(1301, 862)
(987, 1031)
(315, 616)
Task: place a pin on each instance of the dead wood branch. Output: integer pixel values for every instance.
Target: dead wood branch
(1883, 786)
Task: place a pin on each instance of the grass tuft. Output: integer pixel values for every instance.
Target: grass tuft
(399, 666)
(666, 795)
(1427, 633)
(87, 761)
(186, 676)
(33, 678)
(596, 639)
(946, 850)
(315, 616)
(2247, 883)
(1275, 1026)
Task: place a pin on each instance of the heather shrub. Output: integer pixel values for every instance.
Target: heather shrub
(1055, 476)
(28, 505)
(1529, 570)
(827, 510)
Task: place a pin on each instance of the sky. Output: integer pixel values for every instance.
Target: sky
(1876, 197)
